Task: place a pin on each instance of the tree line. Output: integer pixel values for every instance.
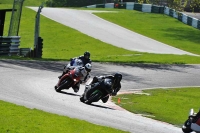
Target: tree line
(180, 5)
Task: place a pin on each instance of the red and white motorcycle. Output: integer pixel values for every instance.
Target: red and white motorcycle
(69, 79)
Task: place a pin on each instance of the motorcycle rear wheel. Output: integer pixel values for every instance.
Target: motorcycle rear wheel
(93, 98)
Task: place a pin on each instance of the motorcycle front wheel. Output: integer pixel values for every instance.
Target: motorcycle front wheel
(63, 85)
(82, 99)
(186, 128)
(94, 97)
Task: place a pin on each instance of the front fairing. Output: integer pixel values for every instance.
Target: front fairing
(75, 74)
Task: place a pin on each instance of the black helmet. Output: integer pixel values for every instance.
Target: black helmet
(118, 77)
(87, 55)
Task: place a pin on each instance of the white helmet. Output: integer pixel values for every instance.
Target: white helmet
(88, 67)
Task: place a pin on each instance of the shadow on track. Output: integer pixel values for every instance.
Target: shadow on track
(57, 66)
(100, 106)
(68, 93)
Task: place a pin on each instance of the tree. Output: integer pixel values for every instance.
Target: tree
(179, 5)
(192, 5)
(56, 3)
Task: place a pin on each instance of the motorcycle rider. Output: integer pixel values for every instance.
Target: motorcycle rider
(85, 58)
(85, 72)
(116, 85)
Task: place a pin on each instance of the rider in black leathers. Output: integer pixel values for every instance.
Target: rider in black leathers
(116, 86)
(85, 58)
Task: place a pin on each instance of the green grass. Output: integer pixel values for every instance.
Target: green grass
(62, 42)
(160, 27)
(168, 105)
(18, 119)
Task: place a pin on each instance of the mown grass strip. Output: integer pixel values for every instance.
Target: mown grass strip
(168, 105)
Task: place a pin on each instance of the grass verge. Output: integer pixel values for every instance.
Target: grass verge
(168, 105)
(18, 119)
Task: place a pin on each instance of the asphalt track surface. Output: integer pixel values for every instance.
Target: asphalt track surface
(30, 83)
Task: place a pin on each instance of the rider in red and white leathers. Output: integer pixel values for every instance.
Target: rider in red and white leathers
(77, 61)
(85, 72)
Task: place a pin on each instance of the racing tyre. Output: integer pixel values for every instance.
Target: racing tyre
(186, 128)
(94, 97)
(63, 85)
